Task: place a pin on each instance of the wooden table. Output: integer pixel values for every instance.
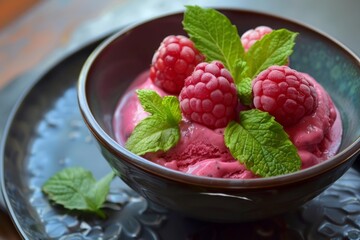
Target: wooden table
(41, 30)
(48, 30)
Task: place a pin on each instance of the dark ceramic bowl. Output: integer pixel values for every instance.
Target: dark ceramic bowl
(115, 64)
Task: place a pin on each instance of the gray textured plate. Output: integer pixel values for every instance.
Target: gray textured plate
(47, 134)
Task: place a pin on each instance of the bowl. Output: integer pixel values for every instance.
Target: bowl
(117, 61)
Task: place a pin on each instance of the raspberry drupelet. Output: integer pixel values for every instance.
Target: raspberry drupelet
(174, 60)
(209, 96)
(284, 93)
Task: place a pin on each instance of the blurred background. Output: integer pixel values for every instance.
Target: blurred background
(36, 34)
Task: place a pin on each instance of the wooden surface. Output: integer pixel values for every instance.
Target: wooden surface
(7, 229)
(40, 30)
(10, 10)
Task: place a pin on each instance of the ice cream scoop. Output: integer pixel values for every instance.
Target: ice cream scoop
(201, 151)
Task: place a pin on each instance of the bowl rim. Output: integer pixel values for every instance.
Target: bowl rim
(202, 181)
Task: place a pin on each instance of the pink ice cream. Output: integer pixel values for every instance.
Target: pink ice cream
(201, 151)
(317, 136)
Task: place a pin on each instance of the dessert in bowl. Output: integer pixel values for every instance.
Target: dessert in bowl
(110, 71)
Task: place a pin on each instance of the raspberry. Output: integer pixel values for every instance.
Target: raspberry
(174, 60)
(252, 35)
(209, 96)
(284, 93)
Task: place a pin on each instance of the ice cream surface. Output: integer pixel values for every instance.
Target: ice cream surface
(318, 136)
(241, 114)
(201, 151)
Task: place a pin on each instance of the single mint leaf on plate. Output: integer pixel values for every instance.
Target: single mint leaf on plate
(159, 131)
(76, 189)
(261, 143)
(214, 35)
(153, 134)
(273, 49)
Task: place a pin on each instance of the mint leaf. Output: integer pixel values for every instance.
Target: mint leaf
(167, 107)
(260, 143)
(101, 190)
(273, 49)
(245, 88)
(172, 109)
(240, 70)
(150, 101)
(159, 131)
(153, 134)
(216, 37)
(213, 35)
(76, 189)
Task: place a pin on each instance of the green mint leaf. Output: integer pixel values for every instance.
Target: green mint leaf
(76, 189)
(213, 35)
(261, 143)
(153, 134)
(171, 106)
(150, 101)
(244, 89)
(167, 107)
(243, 83)
(100, 191)
(240, 70)
(273, 49)
(159, 131)
(216, 37)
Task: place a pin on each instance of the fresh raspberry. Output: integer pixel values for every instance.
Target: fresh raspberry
(252, 35)
(209, 96)
(174, 60)
(284, 93)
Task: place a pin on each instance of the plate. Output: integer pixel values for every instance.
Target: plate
(46, 134)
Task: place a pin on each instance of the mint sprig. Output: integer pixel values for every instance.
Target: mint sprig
(76, 189)
(214, 35)
(218, 39)
(160, 130)
(273, 49)
(259, 142)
